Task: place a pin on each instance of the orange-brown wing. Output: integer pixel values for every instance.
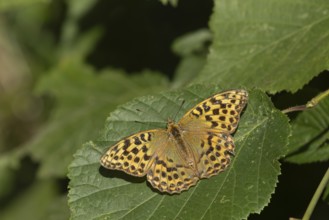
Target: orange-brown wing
(206, 129)
(212, 151)
(155, 154)
(135, 154)
(220, 112)
(170, 172)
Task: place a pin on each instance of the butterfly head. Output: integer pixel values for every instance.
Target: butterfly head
(173, 128)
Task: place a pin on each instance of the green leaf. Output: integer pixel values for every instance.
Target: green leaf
(192, 43)
(192, 48)
(273, 45)
(78, 8)
(72, 43)
(188, 68)
(246, 187)
(25, 27)
(83, 100)
(172, 2)
(75, 49)
(310, 135)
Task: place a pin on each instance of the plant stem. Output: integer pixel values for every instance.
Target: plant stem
(317, 99)
(294, 109)
(310, 104)
(316, 196)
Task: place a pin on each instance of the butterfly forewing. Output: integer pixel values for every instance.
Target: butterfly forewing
(134, 154)
(219, 112)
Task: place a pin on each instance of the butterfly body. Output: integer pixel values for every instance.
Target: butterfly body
(198, 146)
(177, 134)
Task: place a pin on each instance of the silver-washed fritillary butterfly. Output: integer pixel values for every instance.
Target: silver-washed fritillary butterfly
(199, 146)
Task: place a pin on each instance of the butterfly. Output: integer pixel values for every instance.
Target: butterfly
(198, 146)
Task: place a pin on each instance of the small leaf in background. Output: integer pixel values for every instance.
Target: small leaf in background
(244, 188)
(192, 43)
(310, 135)
(78, 8)
(70, 34)
(83, 100)
(193, 49)
(172, 2)
(273, 45)
(9, 164)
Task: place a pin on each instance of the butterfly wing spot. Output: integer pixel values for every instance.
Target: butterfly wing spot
(215, 111)
(131, 155)
(205, 107)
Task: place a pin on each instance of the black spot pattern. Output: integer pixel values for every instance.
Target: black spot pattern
(126, 144)
(212, 161)
(135, 150)
(206, 108)
(215, 111)
(208, 118)
(214, 124)
(199, 110)
(146, 157)
(142, 136)
(144, 149)
(171, 176)
(137, 141)
(222, 118)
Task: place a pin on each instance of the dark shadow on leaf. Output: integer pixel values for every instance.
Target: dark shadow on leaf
(120, 174)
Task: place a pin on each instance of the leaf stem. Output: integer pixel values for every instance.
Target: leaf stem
(294, 109)
(316, 196)
(317, 99)
(310, 104)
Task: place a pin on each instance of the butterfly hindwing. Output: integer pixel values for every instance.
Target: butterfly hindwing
(212, 152)
(170, 172)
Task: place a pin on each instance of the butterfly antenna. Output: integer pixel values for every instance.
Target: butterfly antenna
(181, 105)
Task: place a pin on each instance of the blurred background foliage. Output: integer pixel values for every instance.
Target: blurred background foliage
(66, 64)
